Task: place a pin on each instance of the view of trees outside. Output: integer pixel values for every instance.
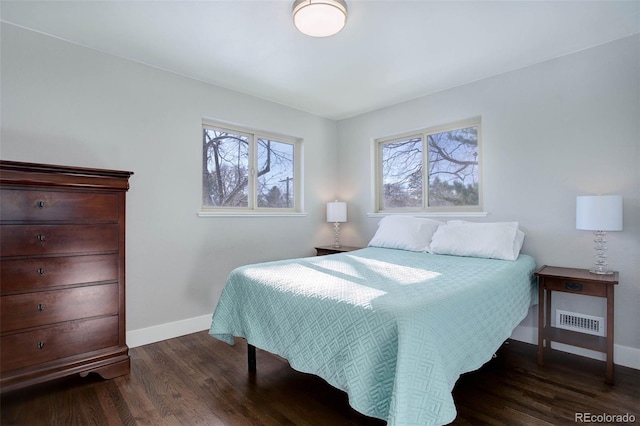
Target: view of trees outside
(226, 170)
(453, 168)
(453, 172)
(275, 178)
(402, 173)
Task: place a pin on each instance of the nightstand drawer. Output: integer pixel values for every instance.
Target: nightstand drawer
(568, 285)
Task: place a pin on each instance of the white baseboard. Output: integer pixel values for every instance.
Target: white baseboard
(622, 355)
(145, 336)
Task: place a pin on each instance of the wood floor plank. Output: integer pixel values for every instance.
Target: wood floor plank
(198, 380)
(113, 402)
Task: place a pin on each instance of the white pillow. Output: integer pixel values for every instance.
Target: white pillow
(405, 233)
(498, 240)
(517, 242)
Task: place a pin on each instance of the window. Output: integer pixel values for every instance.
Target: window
(249, 171)
(446, 158)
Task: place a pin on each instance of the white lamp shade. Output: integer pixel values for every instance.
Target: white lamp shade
(319, 18)
(599, 212)
(337, 211)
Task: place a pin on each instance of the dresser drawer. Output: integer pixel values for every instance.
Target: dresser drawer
(47, 307)
(17, 275)
(27, 205)
(38, 240)
(578, 287)
(62, 340)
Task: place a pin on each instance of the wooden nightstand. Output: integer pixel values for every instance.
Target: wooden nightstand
(324, 250)
(576, 281)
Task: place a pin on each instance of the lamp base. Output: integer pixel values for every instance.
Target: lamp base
(336, 234)
(601, 257)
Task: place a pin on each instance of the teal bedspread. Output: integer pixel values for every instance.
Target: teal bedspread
(393, 329)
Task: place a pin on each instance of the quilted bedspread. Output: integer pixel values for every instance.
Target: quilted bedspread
(393, 329)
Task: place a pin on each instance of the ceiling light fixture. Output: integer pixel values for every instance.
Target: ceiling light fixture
(319, 18)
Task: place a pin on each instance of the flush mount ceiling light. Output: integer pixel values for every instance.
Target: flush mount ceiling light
(319, 18)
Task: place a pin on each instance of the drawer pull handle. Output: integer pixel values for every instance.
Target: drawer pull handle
(40, 345)
(40, 271)
(40, 204)
(41, 238)
(40, 307)
(569, 285)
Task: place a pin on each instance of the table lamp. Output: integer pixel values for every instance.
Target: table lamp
(336, 213)
(599, 213)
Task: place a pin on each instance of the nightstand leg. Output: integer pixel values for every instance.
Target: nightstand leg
(609, 373)
(540, 321)
(547, 320)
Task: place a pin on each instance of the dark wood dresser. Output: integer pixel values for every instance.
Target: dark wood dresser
(62, 273)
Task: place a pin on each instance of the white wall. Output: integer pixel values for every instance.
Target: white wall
(550, 132)
(65, 104)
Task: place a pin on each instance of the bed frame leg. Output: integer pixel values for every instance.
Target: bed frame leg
(251, 358)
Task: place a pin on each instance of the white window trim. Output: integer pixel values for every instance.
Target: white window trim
(252, 210)
(249, 214)
(461, 211)
(430, 214)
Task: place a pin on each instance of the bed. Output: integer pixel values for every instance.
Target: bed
(393, 328)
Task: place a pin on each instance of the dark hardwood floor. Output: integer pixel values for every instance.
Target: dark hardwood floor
(198, 380)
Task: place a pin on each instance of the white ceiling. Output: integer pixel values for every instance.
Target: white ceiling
(389, 52)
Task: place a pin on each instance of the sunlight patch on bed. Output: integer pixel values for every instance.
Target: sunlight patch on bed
(399, 274)
(324, 280)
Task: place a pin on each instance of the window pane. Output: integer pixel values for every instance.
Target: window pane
(402, 173)
(453, 168)
(226, 169)
(275, 174)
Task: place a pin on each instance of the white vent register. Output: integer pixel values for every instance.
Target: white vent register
(580, 322)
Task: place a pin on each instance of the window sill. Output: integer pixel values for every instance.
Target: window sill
(249, 214)
(430, 214)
